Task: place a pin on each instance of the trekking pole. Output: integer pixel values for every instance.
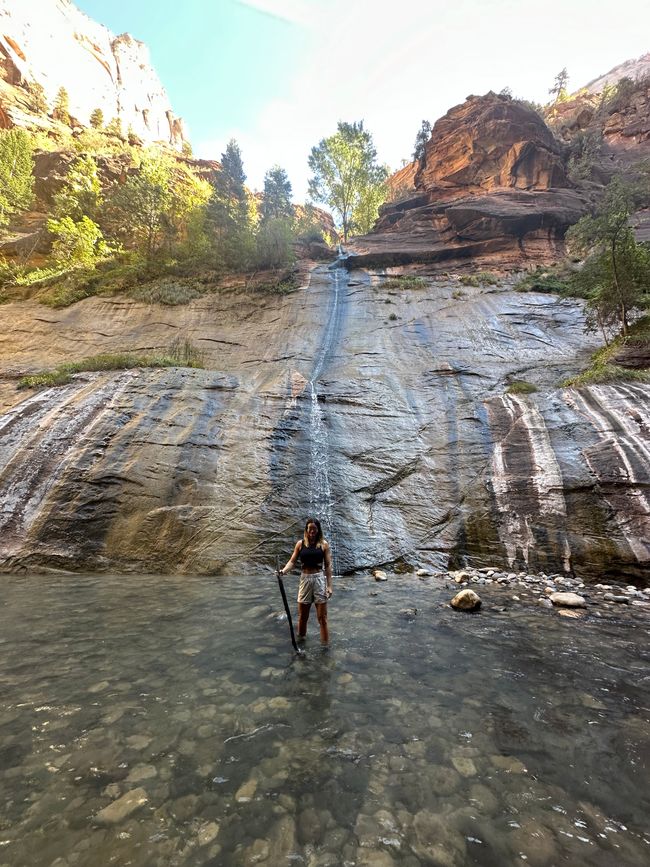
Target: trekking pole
(286, 604)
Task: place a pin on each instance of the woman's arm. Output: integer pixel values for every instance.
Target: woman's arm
(292, 560)
(328, 568)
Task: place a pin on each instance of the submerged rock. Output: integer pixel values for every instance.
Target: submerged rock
(466, 600)
(122, 807)
(379, 575)
(568, 600)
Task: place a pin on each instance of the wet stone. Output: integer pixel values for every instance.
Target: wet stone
(122, 807)
(568, 600)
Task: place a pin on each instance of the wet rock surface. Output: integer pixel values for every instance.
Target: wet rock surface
(429, 461)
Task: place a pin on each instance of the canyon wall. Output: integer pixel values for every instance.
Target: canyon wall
(53, 43)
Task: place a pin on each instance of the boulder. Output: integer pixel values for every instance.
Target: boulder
(568, 600)
(466, 600)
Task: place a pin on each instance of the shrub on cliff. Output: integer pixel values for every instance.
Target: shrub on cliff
(16, 173)
(615, 276)
(81, 192)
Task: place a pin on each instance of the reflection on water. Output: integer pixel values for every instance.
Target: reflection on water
(162, 721)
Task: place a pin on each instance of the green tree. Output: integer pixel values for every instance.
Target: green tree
(97, 118)
(160, 206)
(81, 192)
(78, 243)
(16, 173)
(615, 277)
(366, 209)
(230, 211)
(344, 166)
(274, 242)
(276, 199)
(38, 98)
(114, 127)
(61, 109)
(137, 210)
(421, 139)
(559, 89)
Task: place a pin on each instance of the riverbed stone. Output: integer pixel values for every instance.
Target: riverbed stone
(246, 791)
(509, 764)
(207, 832)
(465, 766)
(437, 843)
(466, 600)
(568, 600)
(122, 807)
(140, 773)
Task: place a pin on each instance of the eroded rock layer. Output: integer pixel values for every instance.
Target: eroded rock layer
(429, 460)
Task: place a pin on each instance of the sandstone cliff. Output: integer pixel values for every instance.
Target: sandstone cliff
(98, 69)
(426, 459)
(492, 185)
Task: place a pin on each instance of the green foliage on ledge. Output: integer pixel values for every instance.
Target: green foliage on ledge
(180, 354)
(603, 367)
(404, 281)
(520, 386)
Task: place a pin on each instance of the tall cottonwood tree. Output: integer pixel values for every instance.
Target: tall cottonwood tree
(345, 168)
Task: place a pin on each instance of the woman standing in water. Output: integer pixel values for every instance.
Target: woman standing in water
(315, 558)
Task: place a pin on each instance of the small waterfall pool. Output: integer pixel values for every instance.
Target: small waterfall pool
(165, 721)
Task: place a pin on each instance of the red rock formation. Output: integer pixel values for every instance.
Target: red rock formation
(491, 186)
(490, 142)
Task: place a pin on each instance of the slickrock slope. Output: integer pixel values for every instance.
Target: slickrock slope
(492, 185)
(53, 43)
(430, 460)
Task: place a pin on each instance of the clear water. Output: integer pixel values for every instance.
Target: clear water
(513, 736)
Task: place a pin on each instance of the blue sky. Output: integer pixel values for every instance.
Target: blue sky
(278, 74)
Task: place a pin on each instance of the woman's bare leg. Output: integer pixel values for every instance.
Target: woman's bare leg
(303, 617)
(321, 613)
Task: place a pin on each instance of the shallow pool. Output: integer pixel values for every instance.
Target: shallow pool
(166, 721)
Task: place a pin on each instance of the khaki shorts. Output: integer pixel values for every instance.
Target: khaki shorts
(312, 588)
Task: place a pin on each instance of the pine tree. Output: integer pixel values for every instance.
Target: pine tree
(559, 89)
(229, 212)
(276, 199)
(421, 139)
(61, 109)
(97, 118)
(38, 99)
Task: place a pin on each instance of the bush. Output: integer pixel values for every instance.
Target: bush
(545, 281)
(404, 282)
(181, 353)
(483, 278)
(520, 386)
(168, 291)
(78, 244)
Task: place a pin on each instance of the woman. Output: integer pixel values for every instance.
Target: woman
(314, 555)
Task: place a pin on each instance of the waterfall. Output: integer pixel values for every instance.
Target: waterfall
(320, 490)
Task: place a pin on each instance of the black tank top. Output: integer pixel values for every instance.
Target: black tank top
(311, 557)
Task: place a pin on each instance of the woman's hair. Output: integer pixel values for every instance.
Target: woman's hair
(319, 538)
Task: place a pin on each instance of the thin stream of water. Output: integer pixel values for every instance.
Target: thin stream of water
(320, 489)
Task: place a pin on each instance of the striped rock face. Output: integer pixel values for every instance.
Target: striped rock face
(391, 421)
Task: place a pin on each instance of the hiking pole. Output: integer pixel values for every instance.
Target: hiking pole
(286, 604)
